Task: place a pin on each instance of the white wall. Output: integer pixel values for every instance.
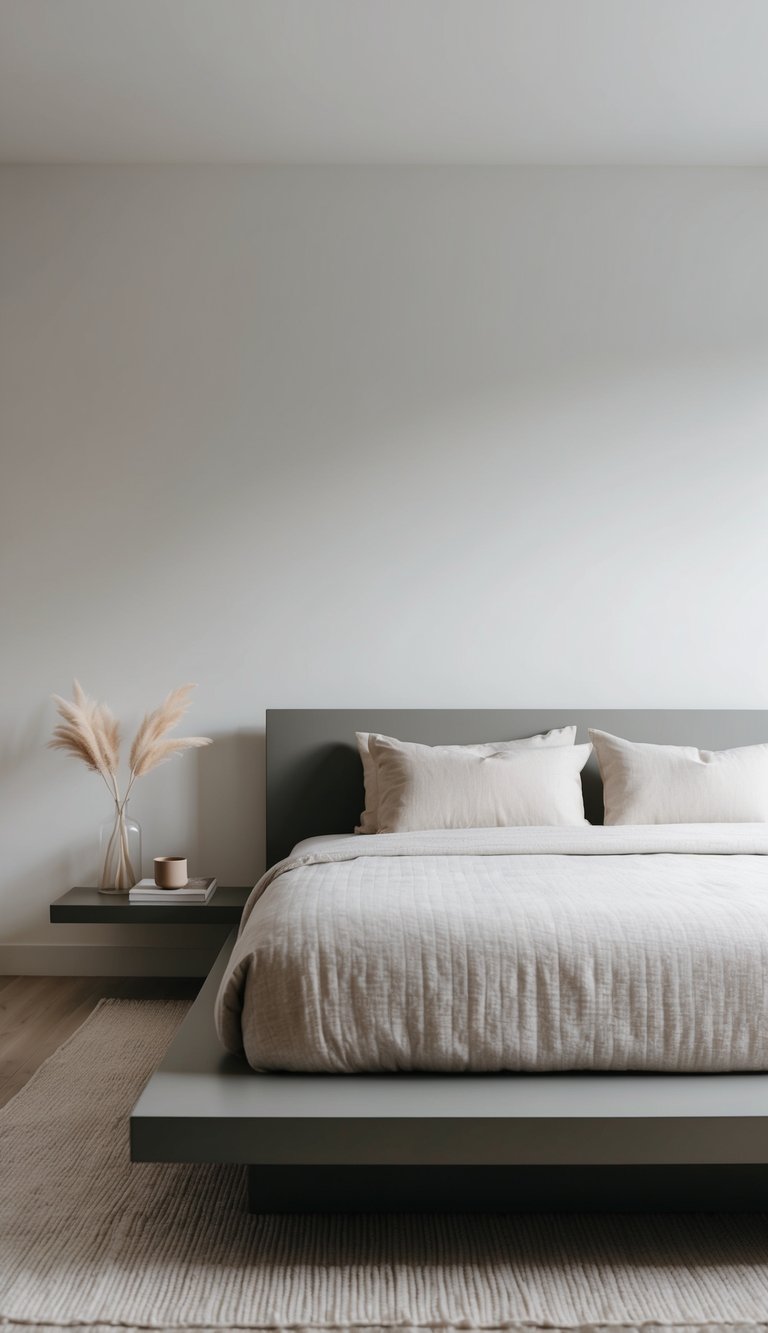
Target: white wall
(393, 437)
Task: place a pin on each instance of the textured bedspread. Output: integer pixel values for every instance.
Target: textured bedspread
(508, 949)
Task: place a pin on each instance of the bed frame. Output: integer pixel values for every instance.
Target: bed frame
(508, 1142)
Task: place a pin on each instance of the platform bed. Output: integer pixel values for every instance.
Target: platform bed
(504, 1143)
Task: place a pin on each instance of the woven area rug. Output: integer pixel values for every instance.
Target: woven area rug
(88, 1239)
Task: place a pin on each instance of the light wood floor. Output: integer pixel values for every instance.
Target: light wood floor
(38, 1013)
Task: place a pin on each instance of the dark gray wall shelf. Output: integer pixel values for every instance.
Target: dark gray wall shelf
(88, 905)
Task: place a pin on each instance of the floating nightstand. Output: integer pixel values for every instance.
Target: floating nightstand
(88, 905)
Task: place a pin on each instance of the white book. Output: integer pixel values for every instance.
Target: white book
(194, 891)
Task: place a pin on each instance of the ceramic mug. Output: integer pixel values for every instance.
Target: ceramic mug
(171, 872)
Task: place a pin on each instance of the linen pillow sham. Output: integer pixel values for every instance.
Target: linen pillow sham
(678, 784)
(439, 787)
(369, 819)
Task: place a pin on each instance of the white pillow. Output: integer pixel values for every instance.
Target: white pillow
(440, 786)
(678, 784)
(369, 819)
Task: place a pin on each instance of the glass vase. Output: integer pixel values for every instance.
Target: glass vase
(119, 852)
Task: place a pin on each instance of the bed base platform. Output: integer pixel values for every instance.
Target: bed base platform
(423, 1142)
(508, 1189)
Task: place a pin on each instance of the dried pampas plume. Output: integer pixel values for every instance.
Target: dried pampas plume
(90, 732)
(151, 745)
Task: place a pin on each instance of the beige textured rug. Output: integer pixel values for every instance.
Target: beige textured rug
(88, 1239)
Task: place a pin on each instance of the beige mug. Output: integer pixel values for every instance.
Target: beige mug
(171, 872)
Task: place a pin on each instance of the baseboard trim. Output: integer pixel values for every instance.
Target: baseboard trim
(104, 960)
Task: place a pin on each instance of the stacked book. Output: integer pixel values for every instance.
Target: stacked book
(194, 891)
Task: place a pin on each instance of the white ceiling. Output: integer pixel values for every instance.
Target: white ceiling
(384, 81)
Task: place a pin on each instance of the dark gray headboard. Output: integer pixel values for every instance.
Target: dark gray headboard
(315, 778)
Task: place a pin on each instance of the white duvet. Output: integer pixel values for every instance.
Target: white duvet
(508, 949)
